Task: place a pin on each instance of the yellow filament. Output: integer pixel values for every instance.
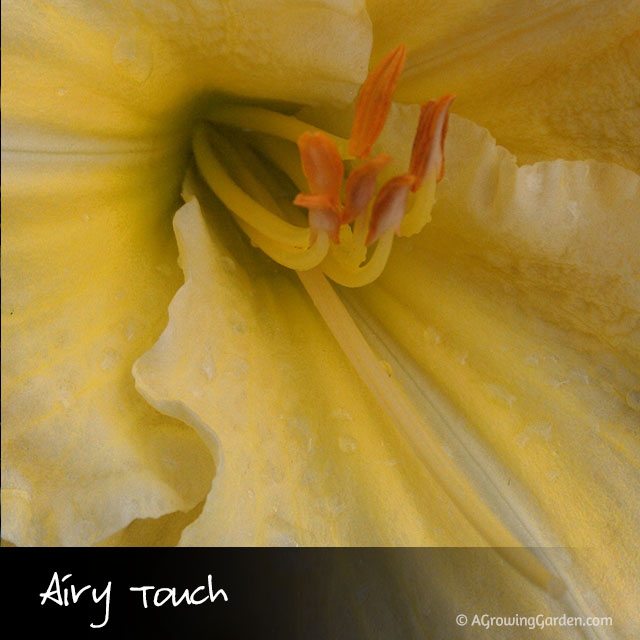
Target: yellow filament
(240, 203)
(238, 174)
(284, 155)
(277, 124)
(419, 210)
(261, 183)
(414, 429)
(358, 276)
(290, 257)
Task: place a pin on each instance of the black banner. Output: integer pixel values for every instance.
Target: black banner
(261, 593)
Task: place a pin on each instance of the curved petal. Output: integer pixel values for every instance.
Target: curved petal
(87, 274)
(520, 303)
(97, 105)
(303, 455)
(557, 81)
(130, 69)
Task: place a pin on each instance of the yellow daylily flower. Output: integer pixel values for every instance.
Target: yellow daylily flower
(224, 407)
(557, 80)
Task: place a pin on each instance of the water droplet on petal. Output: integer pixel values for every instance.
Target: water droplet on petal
(208, 367)
(133, 55)
(347, 444)
(228, 264)
(109, 360)
(633, 400)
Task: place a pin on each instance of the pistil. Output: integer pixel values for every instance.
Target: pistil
(417, 433)
(346, 236)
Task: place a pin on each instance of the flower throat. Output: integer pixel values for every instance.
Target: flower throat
(346, 227)
(250, 156)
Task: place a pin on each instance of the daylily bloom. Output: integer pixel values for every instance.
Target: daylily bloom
(157, 391)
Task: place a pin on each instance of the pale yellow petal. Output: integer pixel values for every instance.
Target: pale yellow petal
(520, 304)
(129, 69)
(154, 532)
(98, 104)
(87, 275)
(303, 454)
(550, 80)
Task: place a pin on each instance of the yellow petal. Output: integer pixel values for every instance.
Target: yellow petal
(303, 454)
(520, 304)
(560, 81)
(154, 532)
(98, 104)
(87, 274)
(130, 70)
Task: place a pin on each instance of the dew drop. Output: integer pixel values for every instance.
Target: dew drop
(572, 208)
(501, 394)
(553, 475)
(347, 444)
(335, 505)
(132, 54)
(580, 375)
(85, 532)
(541, 431)
(430, 334)
(283, 539)
(238, 323)
(341, 414)
(109, 360)
(66, 394)
(281, 533)
(633, 400)
(208, 367)
(129, 331)
(228, 265)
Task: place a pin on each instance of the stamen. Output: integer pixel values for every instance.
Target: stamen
(389, 207)
(344, 272)
(337, 241)
(238, 201)
(374, 102)
(416, 431)
(361, 187)
(322, 166)
(323, 215)
(290, 257)
(284, 155)
(350, 231)
(419, 210)
(427, 153)
(277, 124)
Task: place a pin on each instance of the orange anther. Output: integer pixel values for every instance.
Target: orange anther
(323, 168)
(323, 214)
(325, 220)
(361, 187)
(389, 206)
(428, 145)
(315, 201)
(322, 165)
(374, 102)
